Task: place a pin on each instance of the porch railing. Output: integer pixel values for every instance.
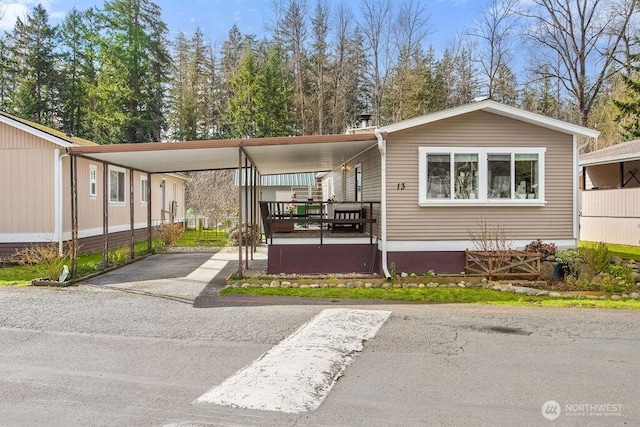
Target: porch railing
(328, 216)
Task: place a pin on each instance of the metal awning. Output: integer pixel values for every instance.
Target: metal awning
(313, 153)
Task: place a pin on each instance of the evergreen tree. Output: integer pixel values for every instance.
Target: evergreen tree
(33, 56)
(134, 64)
(629, 103)
(78, 73)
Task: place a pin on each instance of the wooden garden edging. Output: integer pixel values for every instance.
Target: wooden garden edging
(508, 264)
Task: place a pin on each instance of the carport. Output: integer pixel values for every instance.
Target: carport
(253, 156)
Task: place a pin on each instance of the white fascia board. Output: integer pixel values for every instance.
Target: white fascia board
(611, 159)
(496, 108)
(33, 131)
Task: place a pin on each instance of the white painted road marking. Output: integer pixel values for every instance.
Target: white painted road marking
(297, 374)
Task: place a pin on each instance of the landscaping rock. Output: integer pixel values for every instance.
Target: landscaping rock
(351, 285)
(443, 285)
(304, 286)
(634, 295)
(546, 270)
(616, 297)
(368, 285)
(432, 285)
(624, 296)
(332, 285)
(554, 295)
(359, 284)
(616, 260)
(295, 285)
(275, 284)
(397, 285)
(603, 297)
(404, 275)
(461, 285)
(542, 293)
(246, 285)
(285, 284)
(265, 285)
(421, 285)
(314, 286)
(341, 285)
(386, 285)
(452, 285)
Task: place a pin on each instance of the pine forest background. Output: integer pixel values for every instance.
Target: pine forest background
(113, 74)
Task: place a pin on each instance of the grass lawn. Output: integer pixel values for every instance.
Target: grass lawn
(434, 296)
(203, 238)
(88, 263)
(626, 252)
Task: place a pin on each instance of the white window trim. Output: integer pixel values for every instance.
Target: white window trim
(482, 153)
(117, 202)
(93, 179)
(143, 192)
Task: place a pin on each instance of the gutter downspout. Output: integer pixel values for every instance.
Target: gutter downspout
(382, 147)
(59, 209)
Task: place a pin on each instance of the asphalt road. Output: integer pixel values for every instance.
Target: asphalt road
(96, 355)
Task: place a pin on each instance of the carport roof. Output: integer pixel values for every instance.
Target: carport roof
(313, 153)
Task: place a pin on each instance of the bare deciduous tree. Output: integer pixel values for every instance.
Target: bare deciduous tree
(212, 194)
(495, 33)
(582, 39)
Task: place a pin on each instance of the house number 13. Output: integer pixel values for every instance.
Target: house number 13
(401, 186)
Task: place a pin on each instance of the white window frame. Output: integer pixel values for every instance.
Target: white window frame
(124, 181)
(483, 199)
(93, 181)
(143, 189)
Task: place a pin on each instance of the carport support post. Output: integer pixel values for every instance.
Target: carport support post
(247, 210)
(105, 215)
(132, 253)
(254, 211)
(74, 216)
(149, 235)
(240, 212)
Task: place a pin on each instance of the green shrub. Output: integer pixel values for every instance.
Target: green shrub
(597, 258)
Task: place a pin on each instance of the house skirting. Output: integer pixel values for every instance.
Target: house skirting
(323, 259)
(87, 244)
(421, 262)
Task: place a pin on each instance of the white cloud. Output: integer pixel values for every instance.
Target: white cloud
(10, 12)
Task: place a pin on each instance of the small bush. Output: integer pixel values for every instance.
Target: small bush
(249, 236)
(545, 249)
(44, 257)
(169, 234)
(597, 258)
(119, 256)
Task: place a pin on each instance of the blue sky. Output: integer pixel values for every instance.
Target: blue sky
(215, 17)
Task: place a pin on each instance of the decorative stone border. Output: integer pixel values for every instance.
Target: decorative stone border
(385, 284)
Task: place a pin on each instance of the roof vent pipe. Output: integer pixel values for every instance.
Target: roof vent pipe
(363, 120)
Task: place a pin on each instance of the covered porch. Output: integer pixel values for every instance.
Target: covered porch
(319, 242)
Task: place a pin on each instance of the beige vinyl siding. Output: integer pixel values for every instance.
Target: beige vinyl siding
(90, 209)
(27, 167)
(408, 221)
(12, 138)
(369, 162)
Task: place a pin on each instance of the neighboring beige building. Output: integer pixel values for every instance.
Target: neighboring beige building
(610, 205)
(36, 196)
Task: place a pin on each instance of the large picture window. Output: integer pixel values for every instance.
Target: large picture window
(116, 185)
(487, 175)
